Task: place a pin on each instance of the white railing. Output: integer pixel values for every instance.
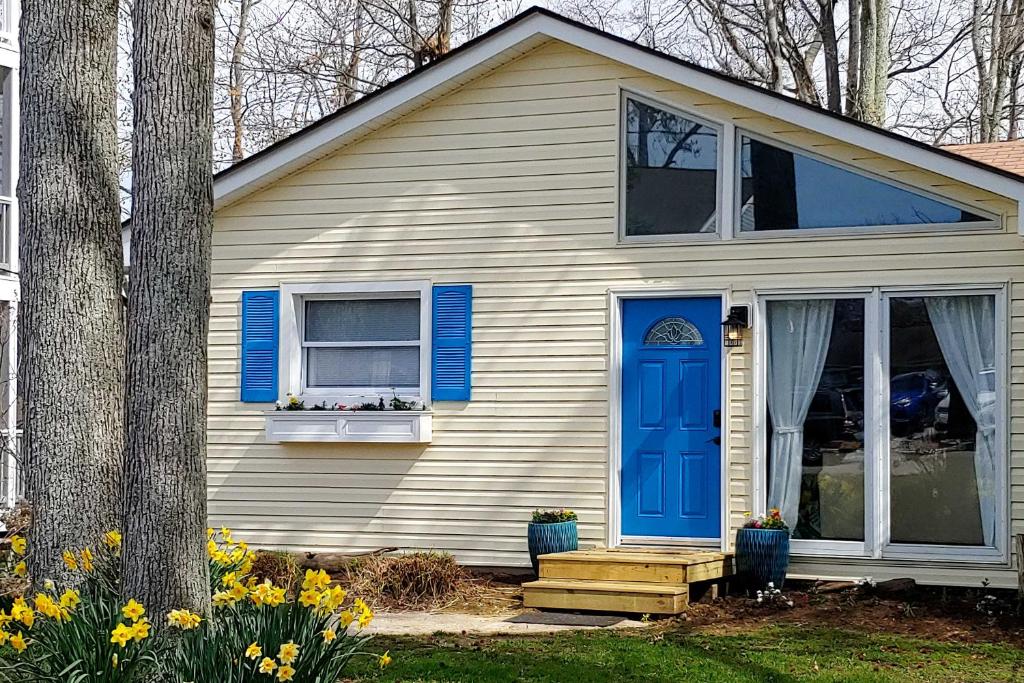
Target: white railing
(12, 483)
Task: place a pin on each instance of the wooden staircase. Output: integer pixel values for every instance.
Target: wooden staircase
(633, 580)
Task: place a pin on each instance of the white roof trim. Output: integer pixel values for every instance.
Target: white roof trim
(530, 31)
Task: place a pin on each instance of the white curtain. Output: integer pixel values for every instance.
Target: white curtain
(798, 337)
(965, 328)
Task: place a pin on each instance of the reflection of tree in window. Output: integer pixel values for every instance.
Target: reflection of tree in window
(671, 172)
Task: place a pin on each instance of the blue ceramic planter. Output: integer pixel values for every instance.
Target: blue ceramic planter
(559, 537)
(762, 556)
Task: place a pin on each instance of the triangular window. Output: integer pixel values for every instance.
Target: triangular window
(785, 190)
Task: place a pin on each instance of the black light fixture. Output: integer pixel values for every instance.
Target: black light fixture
(734, 324)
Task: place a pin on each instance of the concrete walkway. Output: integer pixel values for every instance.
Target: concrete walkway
(427, 623)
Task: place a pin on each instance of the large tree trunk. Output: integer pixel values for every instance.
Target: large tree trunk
(165, 562)
(71, 319)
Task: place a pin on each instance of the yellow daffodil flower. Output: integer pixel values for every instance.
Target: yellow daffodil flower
(267, 665)
(87, 560)
(285, 673)
(346, 618)
(288, 652)
(254, 651)
(23, 613)
(121, 635)
(113, 661)
(18, 642)
(329, 635)
(70, 560)
(46, 606)
(70, 599)
(140, 630)
(21, 569)
(385, 659)
(18, 544)
(316, 580)
(365, 618)
(112, 539)
(309, 598)
(229, 579)
(4, 637)
(275, 597)
(133, 610)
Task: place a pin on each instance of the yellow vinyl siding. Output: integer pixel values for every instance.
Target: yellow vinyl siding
(510, 184)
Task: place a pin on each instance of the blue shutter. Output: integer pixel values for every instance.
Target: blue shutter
(259, 346)
(452, 342)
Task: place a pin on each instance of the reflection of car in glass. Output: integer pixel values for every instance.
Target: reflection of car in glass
(913, 400)
(834, 415)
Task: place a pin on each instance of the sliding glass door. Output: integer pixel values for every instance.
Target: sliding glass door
(882, 416)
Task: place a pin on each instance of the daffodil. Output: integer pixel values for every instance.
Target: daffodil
(254, 651)
(18, 642)
(87, 560)
(21, 569)
(112, 539)
(20, 611)
(309, 598)
(329, 635)
(140, 630)
(121, 635)
(5, 618)
(70, 560)
(316, 580)
(267, 665)
(385, 659)
(70, 599)
(365, 618)
(334, 597)
(133, 610)
(184, 619)
(288, 652)
(285, 673)
(18, 544)
(113, 661)
(4, 637)
(46, 606)
(229, 579)
(346, 618)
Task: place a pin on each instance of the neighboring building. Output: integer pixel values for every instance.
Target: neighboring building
(539, 237)
(9, 291)
(1007, 155)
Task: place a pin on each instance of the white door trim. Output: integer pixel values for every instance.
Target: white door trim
(614, 519)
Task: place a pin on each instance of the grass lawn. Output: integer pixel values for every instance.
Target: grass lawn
(773, 653)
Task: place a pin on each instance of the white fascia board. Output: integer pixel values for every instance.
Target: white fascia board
(308, 147)
(779, 108)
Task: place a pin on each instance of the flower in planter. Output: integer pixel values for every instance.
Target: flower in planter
(772, 520)
(554, 516)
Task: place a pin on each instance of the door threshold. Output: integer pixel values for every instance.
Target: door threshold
(648, 541)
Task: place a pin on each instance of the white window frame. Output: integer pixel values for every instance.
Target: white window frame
(994, 222)
(876, 544)
(293, 355)
(725, 155)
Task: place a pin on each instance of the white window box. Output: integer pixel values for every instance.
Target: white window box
(356, 426)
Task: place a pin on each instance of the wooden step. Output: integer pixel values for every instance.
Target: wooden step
(606, 596)
(648, 566)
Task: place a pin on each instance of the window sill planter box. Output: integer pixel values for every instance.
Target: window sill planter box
(762, 556)
(552, 537)
(355, 426)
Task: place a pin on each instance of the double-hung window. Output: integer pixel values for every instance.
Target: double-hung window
(351, 343)
(883, 421)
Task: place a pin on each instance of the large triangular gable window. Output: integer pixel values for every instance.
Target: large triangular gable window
(784, 190)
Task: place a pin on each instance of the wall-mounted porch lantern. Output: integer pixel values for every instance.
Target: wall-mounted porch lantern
(734, 324)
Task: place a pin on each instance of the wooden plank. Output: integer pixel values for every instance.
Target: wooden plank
(600, 596)
(708, 571)
(586, 569)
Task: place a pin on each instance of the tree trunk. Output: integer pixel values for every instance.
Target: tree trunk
(830, 46)
(853, 63)
(165, 562)
(71, 318)
(236, 77)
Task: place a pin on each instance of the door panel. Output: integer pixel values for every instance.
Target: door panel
(671, 389)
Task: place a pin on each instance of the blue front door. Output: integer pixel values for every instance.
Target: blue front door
(671, 417)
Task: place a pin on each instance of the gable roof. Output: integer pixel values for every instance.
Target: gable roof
(535, 26)
(1007, 155)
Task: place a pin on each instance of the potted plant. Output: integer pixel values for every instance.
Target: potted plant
(762, 550)
(551, 531)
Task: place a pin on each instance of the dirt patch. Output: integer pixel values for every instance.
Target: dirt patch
(954, 615)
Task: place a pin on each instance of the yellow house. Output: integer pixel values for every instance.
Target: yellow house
(525, 252)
